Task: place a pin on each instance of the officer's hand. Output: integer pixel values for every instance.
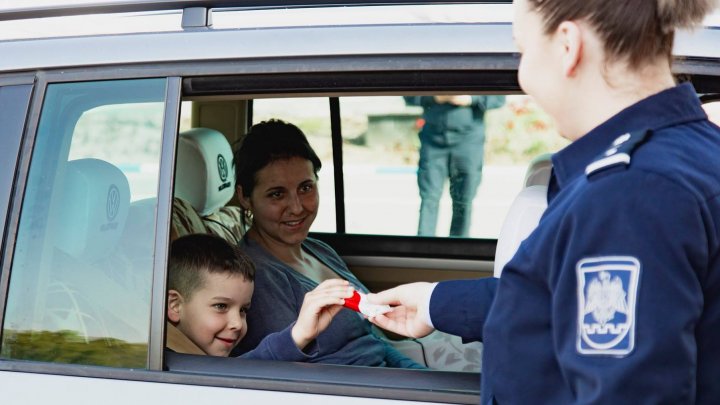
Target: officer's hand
(409, 303)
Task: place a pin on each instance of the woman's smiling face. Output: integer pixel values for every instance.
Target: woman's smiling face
(284, 201)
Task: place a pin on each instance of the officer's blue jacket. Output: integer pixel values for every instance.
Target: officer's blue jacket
(615, 297)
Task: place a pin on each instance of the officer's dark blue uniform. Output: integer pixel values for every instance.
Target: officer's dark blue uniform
(615, 297)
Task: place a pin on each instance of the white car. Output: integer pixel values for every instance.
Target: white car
(94, 101)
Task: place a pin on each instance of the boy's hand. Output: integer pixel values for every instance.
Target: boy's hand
(318, 309)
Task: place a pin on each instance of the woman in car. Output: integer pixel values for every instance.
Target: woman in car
(614, 298)
(277, 187)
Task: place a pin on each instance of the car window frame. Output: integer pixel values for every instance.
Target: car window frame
(17, 191)
(9, 155)
(332, 379)
(165, 188)
(459, 249)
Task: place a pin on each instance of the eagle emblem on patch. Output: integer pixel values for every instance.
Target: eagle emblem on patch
(607, 295)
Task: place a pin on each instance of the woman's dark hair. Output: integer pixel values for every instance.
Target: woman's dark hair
(192, 256)
(638, 31)
(265, 143)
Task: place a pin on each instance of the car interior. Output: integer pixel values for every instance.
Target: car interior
(212, 117)
(219, 120)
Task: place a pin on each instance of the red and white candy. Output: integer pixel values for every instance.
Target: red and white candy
(358, 302)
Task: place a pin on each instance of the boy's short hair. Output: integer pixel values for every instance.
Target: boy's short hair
(193, 255)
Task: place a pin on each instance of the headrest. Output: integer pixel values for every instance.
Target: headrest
(522, 218)
(205, 176)
(141, 217)
(538, 172)
(93, 209)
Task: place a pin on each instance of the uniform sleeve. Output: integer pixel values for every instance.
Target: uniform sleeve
(625, 290)
(460, 307)
(485, 103)
(412, 100)
(494, 102)
(281, 346)
(422, 101)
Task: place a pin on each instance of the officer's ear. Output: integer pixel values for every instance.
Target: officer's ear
(569, 36)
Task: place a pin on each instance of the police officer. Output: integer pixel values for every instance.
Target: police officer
(452, 143)
(615, 297)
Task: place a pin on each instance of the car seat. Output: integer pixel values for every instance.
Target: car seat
(205, 182)
(446, 352)
(95, 202)
(92, 290)
(524, 213)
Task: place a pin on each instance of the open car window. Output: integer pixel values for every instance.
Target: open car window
(381, 158)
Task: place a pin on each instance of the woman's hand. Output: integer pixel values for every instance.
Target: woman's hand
(409, 302)
(318, 309)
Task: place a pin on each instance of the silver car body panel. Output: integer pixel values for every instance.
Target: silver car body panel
(19, 387)
(215, 45)
(279, 33)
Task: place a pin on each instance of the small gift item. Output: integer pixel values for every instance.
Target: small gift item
(358, 302)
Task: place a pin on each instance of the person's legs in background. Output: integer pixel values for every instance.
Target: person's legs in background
(466, 164)
(432, 172)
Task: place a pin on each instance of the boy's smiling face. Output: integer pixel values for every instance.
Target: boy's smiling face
(214, 318)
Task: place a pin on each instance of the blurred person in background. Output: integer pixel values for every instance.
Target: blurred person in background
(452, 143)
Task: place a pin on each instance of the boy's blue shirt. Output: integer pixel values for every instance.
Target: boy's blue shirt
(281, 346)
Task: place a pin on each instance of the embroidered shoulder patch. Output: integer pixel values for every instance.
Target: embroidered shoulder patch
(607, 291)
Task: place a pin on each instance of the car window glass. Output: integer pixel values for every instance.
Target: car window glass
(82, 266)
(312, 116)
(134, 146)
(489, 143)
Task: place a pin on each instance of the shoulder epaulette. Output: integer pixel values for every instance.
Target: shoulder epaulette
(620, 152)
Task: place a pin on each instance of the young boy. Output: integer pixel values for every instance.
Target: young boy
(210, 286)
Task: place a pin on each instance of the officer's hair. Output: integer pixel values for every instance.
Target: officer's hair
(194, 256)
(635, 31)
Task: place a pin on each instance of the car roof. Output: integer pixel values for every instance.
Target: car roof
(151, 37)
(62, 37)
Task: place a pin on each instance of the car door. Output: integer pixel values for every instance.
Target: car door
(78, 267)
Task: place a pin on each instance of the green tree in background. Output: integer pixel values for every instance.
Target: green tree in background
(68, 347)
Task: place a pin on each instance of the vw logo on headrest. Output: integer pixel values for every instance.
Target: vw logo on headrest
(112, 207)
(222, 167)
